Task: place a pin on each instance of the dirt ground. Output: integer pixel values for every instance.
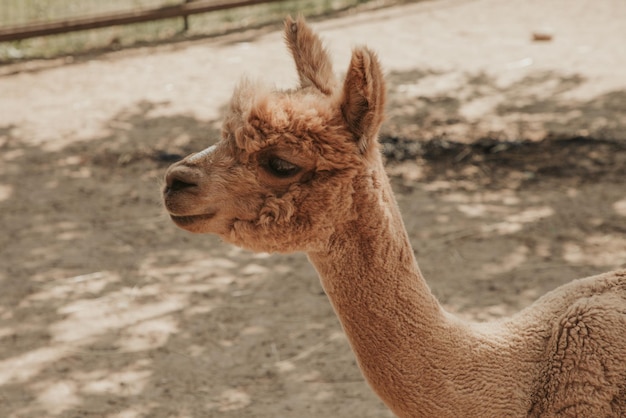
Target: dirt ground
(508, 157)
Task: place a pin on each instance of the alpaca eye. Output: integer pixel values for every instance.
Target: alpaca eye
(281, 168)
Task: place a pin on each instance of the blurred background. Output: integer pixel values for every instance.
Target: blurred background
(504, 139)
(125, 23)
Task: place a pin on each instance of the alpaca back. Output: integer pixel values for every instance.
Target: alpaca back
(578, 333)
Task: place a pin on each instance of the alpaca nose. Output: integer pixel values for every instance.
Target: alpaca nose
(180, 178)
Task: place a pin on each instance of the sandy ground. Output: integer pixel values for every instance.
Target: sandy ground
(508, 157)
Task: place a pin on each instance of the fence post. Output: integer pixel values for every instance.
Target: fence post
(186, 18)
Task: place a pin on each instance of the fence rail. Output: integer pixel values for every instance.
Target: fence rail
(187, 8)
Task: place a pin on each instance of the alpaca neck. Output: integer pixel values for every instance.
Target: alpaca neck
(395, 325)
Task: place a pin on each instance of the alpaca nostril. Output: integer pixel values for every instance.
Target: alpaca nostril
(178, 184)
(180, 178)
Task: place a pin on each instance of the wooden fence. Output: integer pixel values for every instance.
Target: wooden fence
(186, 8)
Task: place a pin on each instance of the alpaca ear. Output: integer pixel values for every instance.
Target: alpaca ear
(312, 61)
(363, 100)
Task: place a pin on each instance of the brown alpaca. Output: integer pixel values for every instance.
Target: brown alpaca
(301, 170)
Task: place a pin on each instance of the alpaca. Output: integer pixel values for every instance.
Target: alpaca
(301, 170)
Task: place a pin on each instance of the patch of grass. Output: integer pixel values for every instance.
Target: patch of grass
(16, 12)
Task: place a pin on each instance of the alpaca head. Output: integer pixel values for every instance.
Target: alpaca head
(281, 176)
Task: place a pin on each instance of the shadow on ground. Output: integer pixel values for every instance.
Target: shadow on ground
(462, 108)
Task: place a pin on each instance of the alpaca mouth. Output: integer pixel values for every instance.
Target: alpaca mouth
(190, 219)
